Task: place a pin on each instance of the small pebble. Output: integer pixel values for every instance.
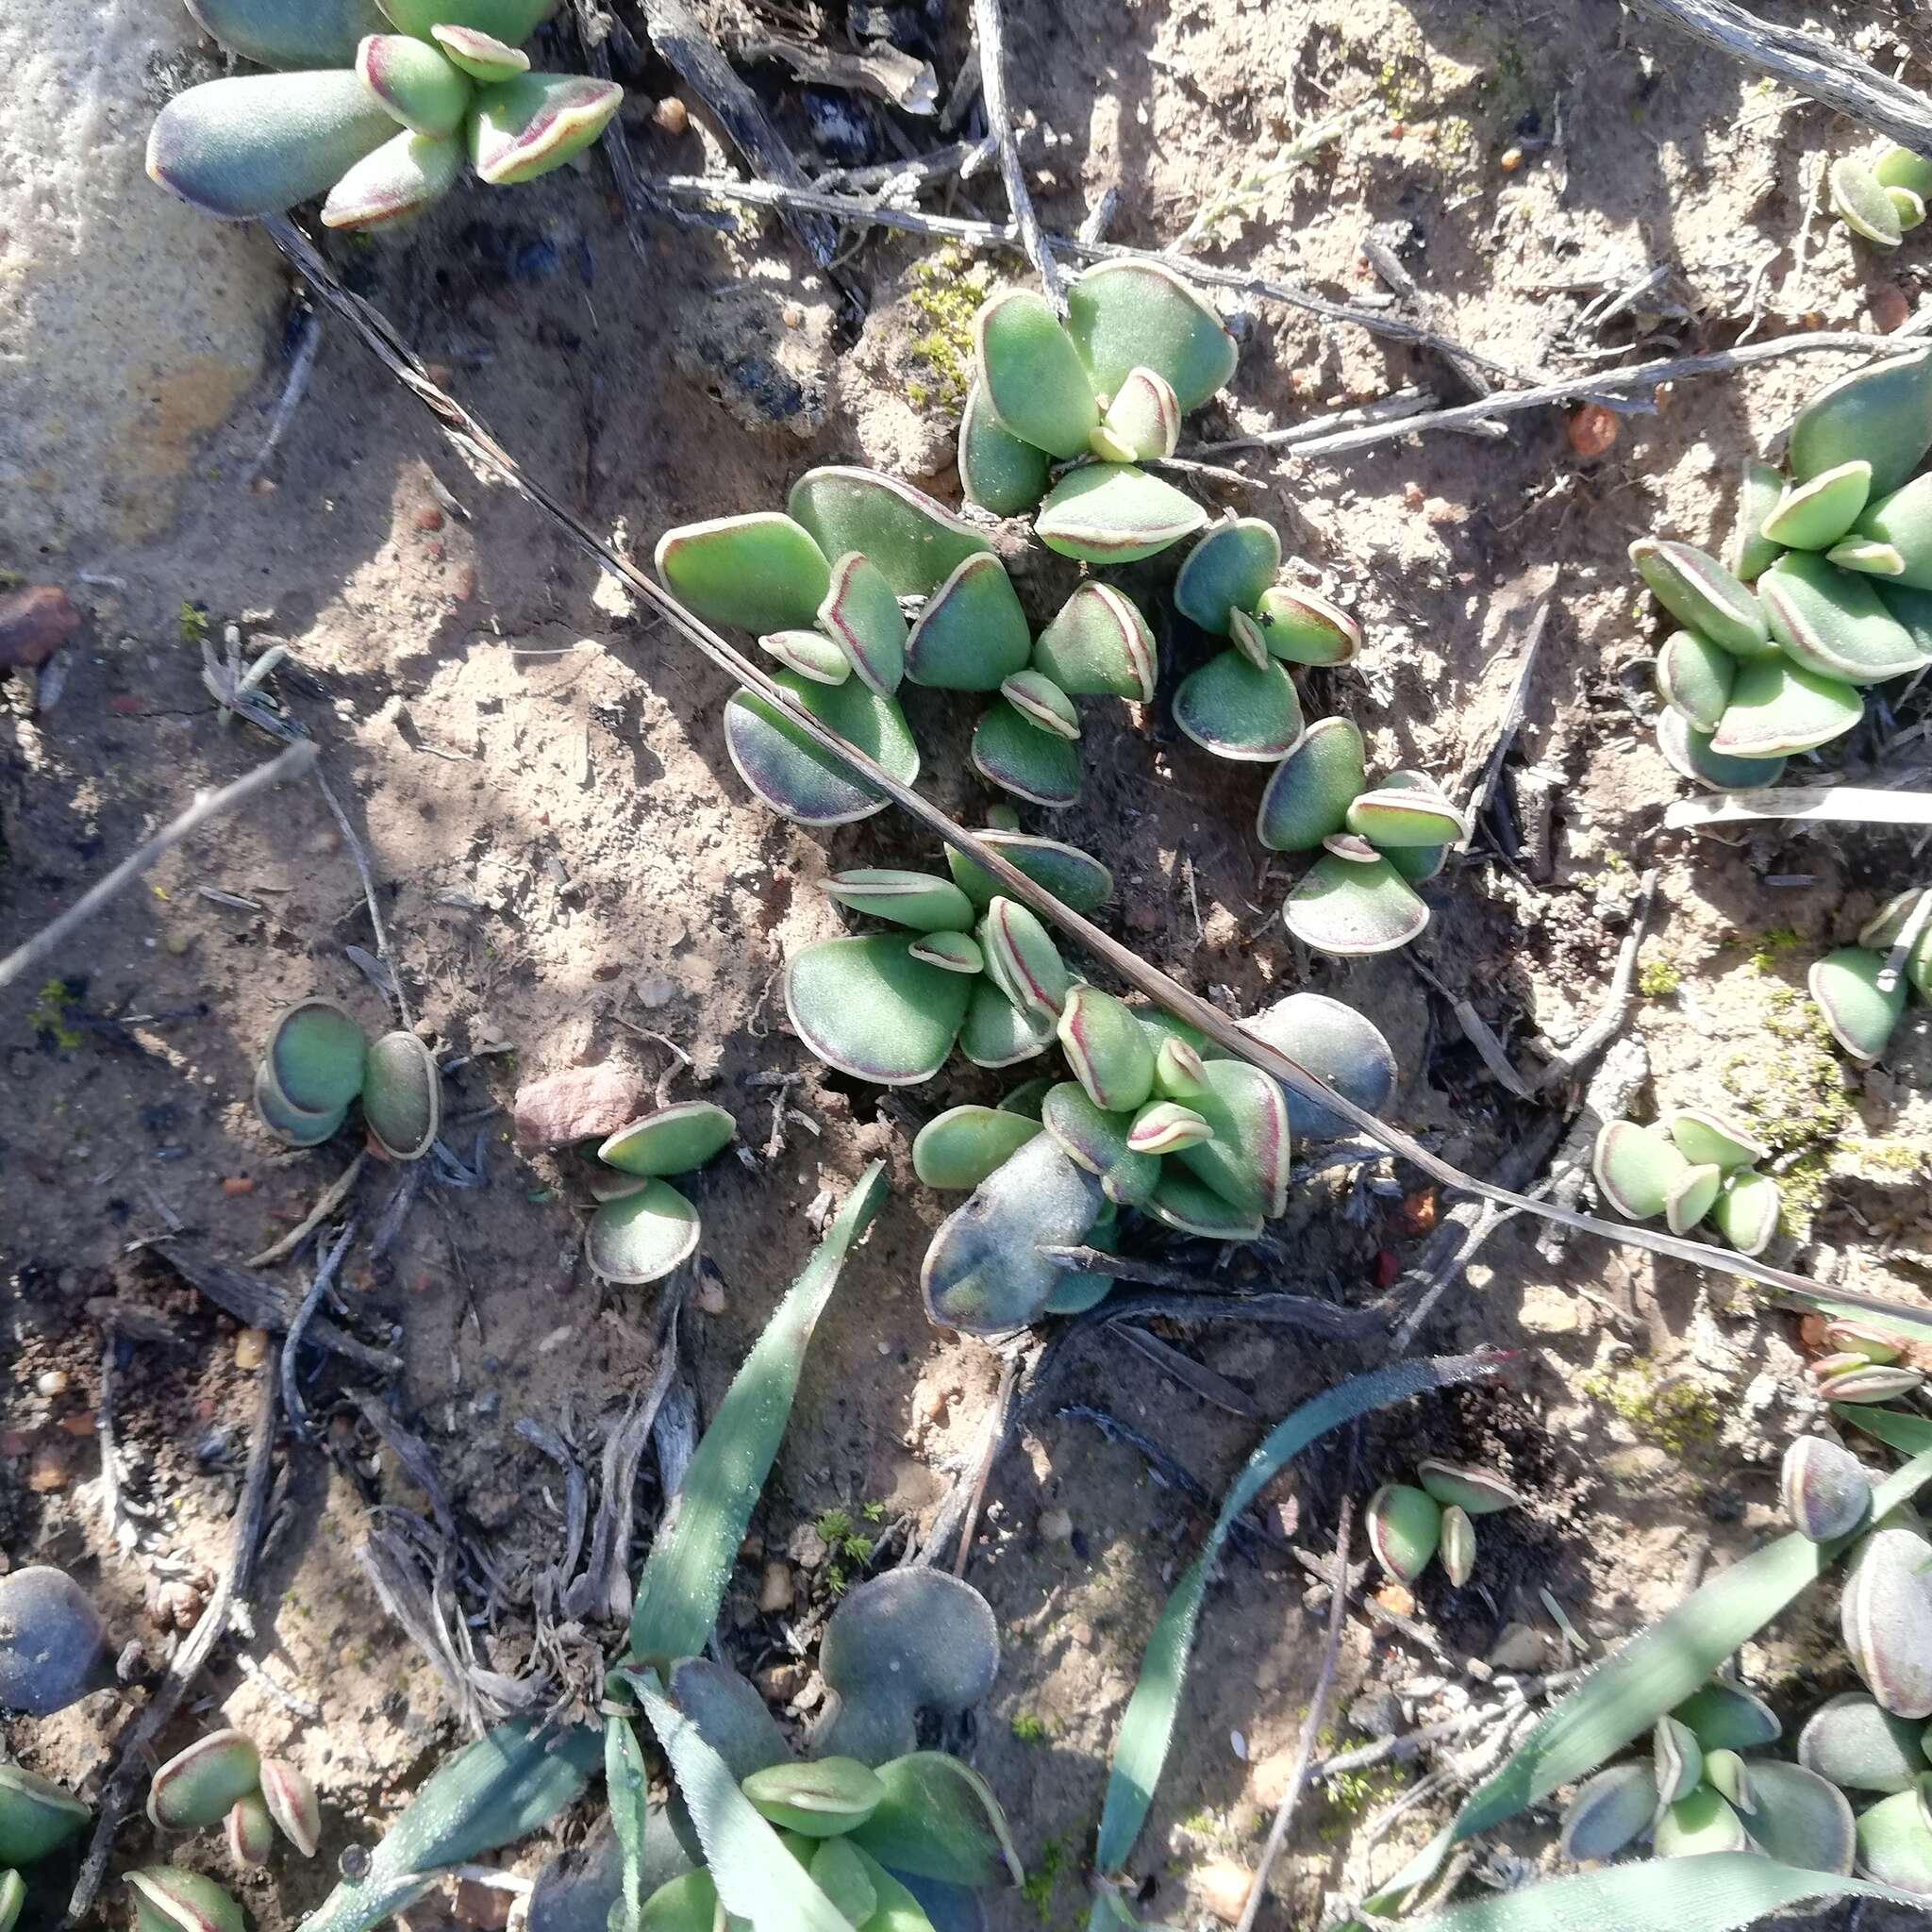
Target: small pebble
(1889, 306)
(1592, 428)
(670, 115)
(1055, 1526)
(81, 1423)
(485, 1906)
(238, 1184)
(1224, 1888)
(774, 1589)
(793, 315)
(47, 1470)
(52, 1382)
(1511, 160)
(710, 1295)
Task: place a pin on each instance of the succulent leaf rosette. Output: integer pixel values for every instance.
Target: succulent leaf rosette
(1695, 1168)
(643, 1227)
(1156, 1119)
(820, 586)
(1862, 998)
(375, 107)
(894, 1838)
(1881, 199)
(1413, 1524)
(1105, 390)
(319, 1060)
(1826, 587)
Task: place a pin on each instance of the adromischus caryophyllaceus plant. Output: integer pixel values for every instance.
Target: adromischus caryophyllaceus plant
(1825, 588)
(375, 107)
(1883, 198)
(1860, 990)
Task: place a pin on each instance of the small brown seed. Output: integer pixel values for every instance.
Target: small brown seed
(670, 115)
(1592, 429)
(52, 1382)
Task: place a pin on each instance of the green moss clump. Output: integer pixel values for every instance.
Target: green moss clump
(1680, 1418)
(1352, 1795)
(1029, 1728)
(946, 294)
(1043, 1880)
(1660, 976)
(49, 1016)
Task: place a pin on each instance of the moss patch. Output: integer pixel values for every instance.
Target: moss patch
(1679, 1417)
(945, 293)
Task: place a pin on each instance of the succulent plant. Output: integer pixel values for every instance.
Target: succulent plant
(1826, 1490)
(13, 1899)
(1695, 1168)
(52, 1641)
(1412, 1524)
(967, 966)
(170, 1900)
(37, 1816)
(318, 1061)
(1105, 390)
(1860, 1000)
(199, 1786)
(379, 112)
(1823, 590)
(1156, 1118)
(222, 1779)
(820, 585)
(1883, 198)
(643, 1227)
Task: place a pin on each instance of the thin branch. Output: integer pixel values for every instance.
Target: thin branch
(336, 1193)
(1385, 323)
(995, 1435)
(1639, 375)
(131, 1771)
(1847, 805)
(360, 859)
(1312, 1725)
(292, 1347)
(1809, 62)
(479, 447)
(1513, 711)
(1393, 408)
(207, 806)
(301, 367)
(989, 32)
(1597, 1035)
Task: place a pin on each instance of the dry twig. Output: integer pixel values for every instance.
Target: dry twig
(337, 1193)
(988, 32)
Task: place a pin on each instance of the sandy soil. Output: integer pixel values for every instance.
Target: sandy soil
(570, 867)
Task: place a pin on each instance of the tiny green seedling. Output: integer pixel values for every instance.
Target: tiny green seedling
(319, 1060)
(1695, 1168)
(1824, 589)
(374, 111)
(1412, 1524)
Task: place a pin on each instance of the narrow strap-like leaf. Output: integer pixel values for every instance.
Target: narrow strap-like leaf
(685, 1574)
(1712, 1893)
(1146, 1729)
(1653, 1673)
(629, 1796)
(1909, 1434)
(757, 1877)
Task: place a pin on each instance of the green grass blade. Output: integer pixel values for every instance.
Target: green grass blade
(1713, 1893)
(1653, 1673)
(506, 1785)
(757, 1877)
(1909, 1434)
(1147, 1729)
(625, 1786)
(684, 1577)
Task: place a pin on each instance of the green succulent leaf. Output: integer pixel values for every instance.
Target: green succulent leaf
(1778, 708)
(808, 653)
(1832, 623)
(1813, 515)
(940, 1819)
(1689, 751)
(1239, 710)
(394, 184)
(869, 1008)
(1074, 878)
(1246, 1162)
(1125, 315)
(523, 127)
(1098, 1142)
(998, 471)
(862, 617)
(996, 1033)
(1695, 676)
(1338, 1045)
(917, 899)
(481, 55)
(916, 542)
(730, 1714)
(1098, 646)
(257, 143)
(1106, 1048)
(1142, 421)
(685, 1575)
(1190, 1205)
(1227, 570)
(797, 778)
(1309, 791)
(1759, 489)
(1881, 413)
(761, 572)
(1701, 594)
(1300, 628)
(402, 1095)
(1114, 513)
(415, 83)
(642, 1235)
(1013, 752)
(511, 21)
(960, 1147)
(670, 1140)
(1844, 985)
(1353, 908)
(1147, 1727)
(972, 633)
(1032, 374)
(1860, 200)
(1651, 1673)
(37, 1816)
(289, 33)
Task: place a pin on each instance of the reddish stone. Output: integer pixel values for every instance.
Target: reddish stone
(580, 1103)
(35, 621)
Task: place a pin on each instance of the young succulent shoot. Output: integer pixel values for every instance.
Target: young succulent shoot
(376, 112)
(1693, 1168)
(318, 1061)
(1155, 1119)
(1106, 391)
(1410, 1525)
(1772, 647)
(1825, 1489)
(199, 1786)
(983, 973)
(643, 1228)
(1881, 197)
(53, 1644)
(170, 1900)
(1377, 840)
(1860, 992)
(37, 1816)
